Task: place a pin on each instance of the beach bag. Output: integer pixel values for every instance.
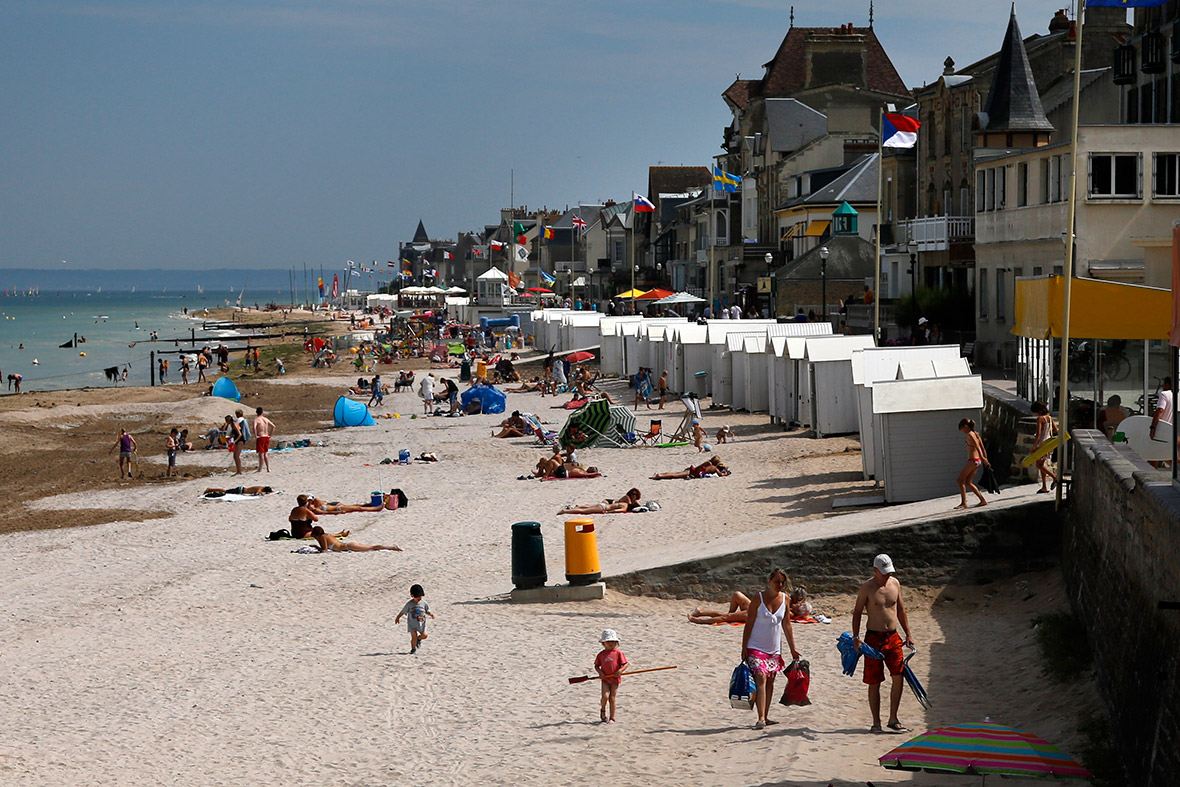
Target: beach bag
(988, 482)
(403, 456)
(798, 682)
(279, 534)
(742, 688)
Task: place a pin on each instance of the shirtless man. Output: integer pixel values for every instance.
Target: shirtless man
(301, 517)
(263, 429)
(880, 597)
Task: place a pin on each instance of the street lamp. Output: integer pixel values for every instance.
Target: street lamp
(823, 272)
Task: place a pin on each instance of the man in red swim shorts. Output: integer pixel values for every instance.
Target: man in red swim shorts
(880, 598)
(263, 429)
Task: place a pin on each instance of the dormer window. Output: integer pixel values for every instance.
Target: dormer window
(1153, 53)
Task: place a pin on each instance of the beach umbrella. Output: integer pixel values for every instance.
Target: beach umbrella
(630, 294)
(455, 290)
(584, 426)
(982, 750)
(654, 295)
(537, 289)
(579, 356)
(679, 297)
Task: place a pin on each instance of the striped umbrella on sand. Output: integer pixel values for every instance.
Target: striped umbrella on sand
(983, 750)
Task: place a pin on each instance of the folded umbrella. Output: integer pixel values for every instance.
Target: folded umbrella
(912, 681)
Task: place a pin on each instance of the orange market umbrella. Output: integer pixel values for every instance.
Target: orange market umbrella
(654, 295)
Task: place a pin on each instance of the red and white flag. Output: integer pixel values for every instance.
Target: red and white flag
(642, 203)
(335, 286)
(497, 245)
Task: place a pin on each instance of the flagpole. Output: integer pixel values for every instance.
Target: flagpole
(712, 247)
(1063, 398)
(880, 216)
(634, 222)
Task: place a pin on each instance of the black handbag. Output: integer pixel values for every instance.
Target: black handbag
(987, 481)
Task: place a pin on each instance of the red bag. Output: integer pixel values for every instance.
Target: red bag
(798, 682)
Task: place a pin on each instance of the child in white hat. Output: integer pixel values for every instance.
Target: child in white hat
(609, 664)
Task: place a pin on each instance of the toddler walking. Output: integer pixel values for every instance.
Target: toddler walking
(415, 612)
(610, 664)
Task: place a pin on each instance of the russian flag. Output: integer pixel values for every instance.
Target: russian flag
(642, 203)
(899, 131)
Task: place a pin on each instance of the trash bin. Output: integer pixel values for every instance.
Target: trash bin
(481, 369)
(700, 384)
(465, 370)
(581, 552)
(528, 556)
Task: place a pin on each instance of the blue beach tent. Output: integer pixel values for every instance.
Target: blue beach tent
(491, 399)
(349, 412)
(225, 388)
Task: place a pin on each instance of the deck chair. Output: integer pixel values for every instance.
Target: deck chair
(654, 433)
(543, 437)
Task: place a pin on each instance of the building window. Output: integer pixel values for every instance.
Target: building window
(1001, 188)
(1055, 179)
(991, 189)
(1115, 176)
(964, 201)
(980, 189)
(1001, 300)
(1167, 175)
(983, 293)
(1021, 184)
(1045, 171)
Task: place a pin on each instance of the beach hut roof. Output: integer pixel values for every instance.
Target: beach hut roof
(755, 344)
(737, 341)
(692, 333)
(835, 348)
(493, 274)
(778, 345)
(873, 364)
(929, 395)
(718, 329)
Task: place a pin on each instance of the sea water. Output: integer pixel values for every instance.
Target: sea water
(117, 328)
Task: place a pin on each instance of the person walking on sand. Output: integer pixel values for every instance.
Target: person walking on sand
(1046, 428)
(202, 365)
(662, 387)
(415, 612)
(976, 457)
(427, 393)
(610, 664)
(172, 445)
(236, 441)
(378, 396)
(263, 429)
(184, 367)
(766, 621)
(125, 444)
(880, 599)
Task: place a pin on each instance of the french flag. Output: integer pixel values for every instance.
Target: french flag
(642, 203)
(899, 131)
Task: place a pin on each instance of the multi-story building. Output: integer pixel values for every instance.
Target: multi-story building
(1128, 192)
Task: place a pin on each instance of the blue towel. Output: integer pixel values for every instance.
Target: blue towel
(850, 656)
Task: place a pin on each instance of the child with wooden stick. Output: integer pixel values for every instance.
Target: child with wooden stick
(609, 664)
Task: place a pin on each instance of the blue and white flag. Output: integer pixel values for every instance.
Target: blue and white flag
(547, 279)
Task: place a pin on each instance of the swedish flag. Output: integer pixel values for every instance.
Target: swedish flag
(723, 181)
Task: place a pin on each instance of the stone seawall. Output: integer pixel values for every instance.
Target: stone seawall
(1009, 430)
(1121, 557)
(975, 548)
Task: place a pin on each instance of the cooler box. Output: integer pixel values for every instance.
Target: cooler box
(481, 369)
(581, 552)
(528, 556)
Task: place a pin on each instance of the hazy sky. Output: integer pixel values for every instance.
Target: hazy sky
(215, 133)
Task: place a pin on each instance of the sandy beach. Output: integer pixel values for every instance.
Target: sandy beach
(187, 649)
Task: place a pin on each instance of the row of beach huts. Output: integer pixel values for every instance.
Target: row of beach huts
(905, 402)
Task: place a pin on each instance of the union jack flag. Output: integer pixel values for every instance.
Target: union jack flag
(579, 223)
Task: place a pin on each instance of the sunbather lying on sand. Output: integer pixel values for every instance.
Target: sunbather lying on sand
(237, 490)
(513, 426)
(318, 506)
(738, 604)
(301, 517)
(329, 543)
(709, 467)
(624, 504)
(534, 385)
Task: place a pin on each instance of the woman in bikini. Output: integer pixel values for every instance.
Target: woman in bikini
(625, 504)
(711, 466)
(329, 543)
(976, 457)
(1046, 428)
(322, 508)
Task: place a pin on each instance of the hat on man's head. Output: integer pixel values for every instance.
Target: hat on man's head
(883, 563)
(608, 635)
(922, 321)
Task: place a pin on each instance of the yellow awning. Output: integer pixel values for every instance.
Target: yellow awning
(790, 232)
(630, 294)
(816, 229)
(1098, 309)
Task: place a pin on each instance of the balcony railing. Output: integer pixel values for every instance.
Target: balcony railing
(936, 233)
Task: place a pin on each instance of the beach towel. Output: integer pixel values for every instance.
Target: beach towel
(308, 550)
(727, 623)
(233, 498)
(988, 482)
(572, 478)
(804, 620)
(850, 656)
(571, 405)
(741, 688)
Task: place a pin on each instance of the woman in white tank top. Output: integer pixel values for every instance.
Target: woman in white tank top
(766, 622)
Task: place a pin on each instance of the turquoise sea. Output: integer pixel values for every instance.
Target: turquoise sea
(110, 322)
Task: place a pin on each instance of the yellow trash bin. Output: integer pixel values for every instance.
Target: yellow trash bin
(581, 552)
(481, 369)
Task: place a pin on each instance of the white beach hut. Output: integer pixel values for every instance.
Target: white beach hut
(611, 358)
(692, 356)
(579, 330)
(879, 364)
(757, 374)
(921, 445)
(547, 329)
(729, 365)
(833, 397)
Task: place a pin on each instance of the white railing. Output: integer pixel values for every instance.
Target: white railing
(935, 233)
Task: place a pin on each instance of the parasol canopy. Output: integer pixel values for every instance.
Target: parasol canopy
(584, 426)
(630, 294)
(654, 295)
(679, 297)
(982, 750)
(579, 356)
(537, 289)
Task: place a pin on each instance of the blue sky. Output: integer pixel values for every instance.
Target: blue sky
(259, 133)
